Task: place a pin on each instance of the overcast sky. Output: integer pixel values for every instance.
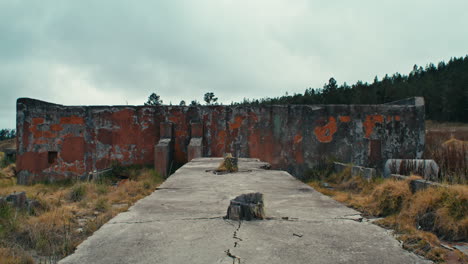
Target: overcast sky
(119, 52)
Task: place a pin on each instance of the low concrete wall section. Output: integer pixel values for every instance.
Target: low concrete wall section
(417, 185)
(428, 169)
(367, 173)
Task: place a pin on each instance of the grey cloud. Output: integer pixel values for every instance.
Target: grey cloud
(113, 52)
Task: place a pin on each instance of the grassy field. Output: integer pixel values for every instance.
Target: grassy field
(67, 214)
(447, 144)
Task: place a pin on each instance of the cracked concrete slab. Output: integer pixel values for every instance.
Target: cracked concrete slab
(182, 222)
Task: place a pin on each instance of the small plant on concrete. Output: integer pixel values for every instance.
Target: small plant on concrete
(229, 164)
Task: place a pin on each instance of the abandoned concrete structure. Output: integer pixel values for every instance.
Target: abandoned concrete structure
(57, 142)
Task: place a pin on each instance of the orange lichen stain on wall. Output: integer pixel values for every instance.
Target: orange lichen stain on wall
(297, 149)
(56, 127)
(345, 119)
(37, 133)
(72, 120)
(325, 133)
(253, 117)
(237, 122)
(297, 138)
(37, 121)
(75, 167)
(397, 118)
(220, 144)
(370, 122)
(40, 141)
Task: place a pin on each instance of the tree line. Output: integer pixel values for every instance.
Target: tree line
(444, 88)
(7, 134)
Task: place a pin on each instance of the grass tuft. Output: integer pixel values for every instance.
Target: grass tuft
(77, 192)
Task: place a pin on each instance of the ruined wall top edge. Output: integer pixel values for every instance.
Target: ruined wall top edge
(412, 101)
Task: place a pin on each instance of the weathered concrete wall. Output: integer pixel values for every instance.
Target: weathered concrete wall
(56, 141)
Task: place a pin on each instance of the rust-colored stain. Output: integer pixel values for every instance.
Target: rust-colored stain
(345, 119)
(397, 118)
(40, 141)
(104, 136)
(37, 121)
(56, 127)
(370, 122)
(72, 149)
(299, 156)
(72, 120)
(237, 122)
(253, 117)
(297, 139)
(35, 162)
(298, 152)
(325, 133)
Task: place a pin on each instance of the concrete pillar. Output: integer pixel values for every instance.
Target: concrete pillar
(195, 147)
(163, 150)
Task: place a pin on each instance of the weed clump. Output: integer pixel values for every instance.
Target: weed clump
(388, 198)
(101, 205)
(77, 193)
(229, 164)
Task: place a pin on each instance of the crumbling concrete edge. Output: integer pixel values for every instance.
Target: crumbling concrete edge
(418, 185)
(367, 173)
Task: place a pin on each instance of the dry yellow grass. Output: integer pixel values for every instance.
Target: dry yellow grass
(14, 256)
(420, 219)
(69, 213)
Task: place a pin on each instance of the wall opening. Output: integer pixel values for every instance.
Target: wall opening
(375, 151)
(52, 157)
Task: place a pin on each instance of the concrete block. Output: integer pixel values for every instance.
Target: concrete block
(367, 173)
(339, 167)
(246, 207)
(18, 199)
(428, 169)
(417, 185)
(195, 148)
(163, 157)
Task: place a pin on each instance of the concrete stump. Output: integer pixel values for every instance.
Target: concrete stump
(246, 207)
(18, 199)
